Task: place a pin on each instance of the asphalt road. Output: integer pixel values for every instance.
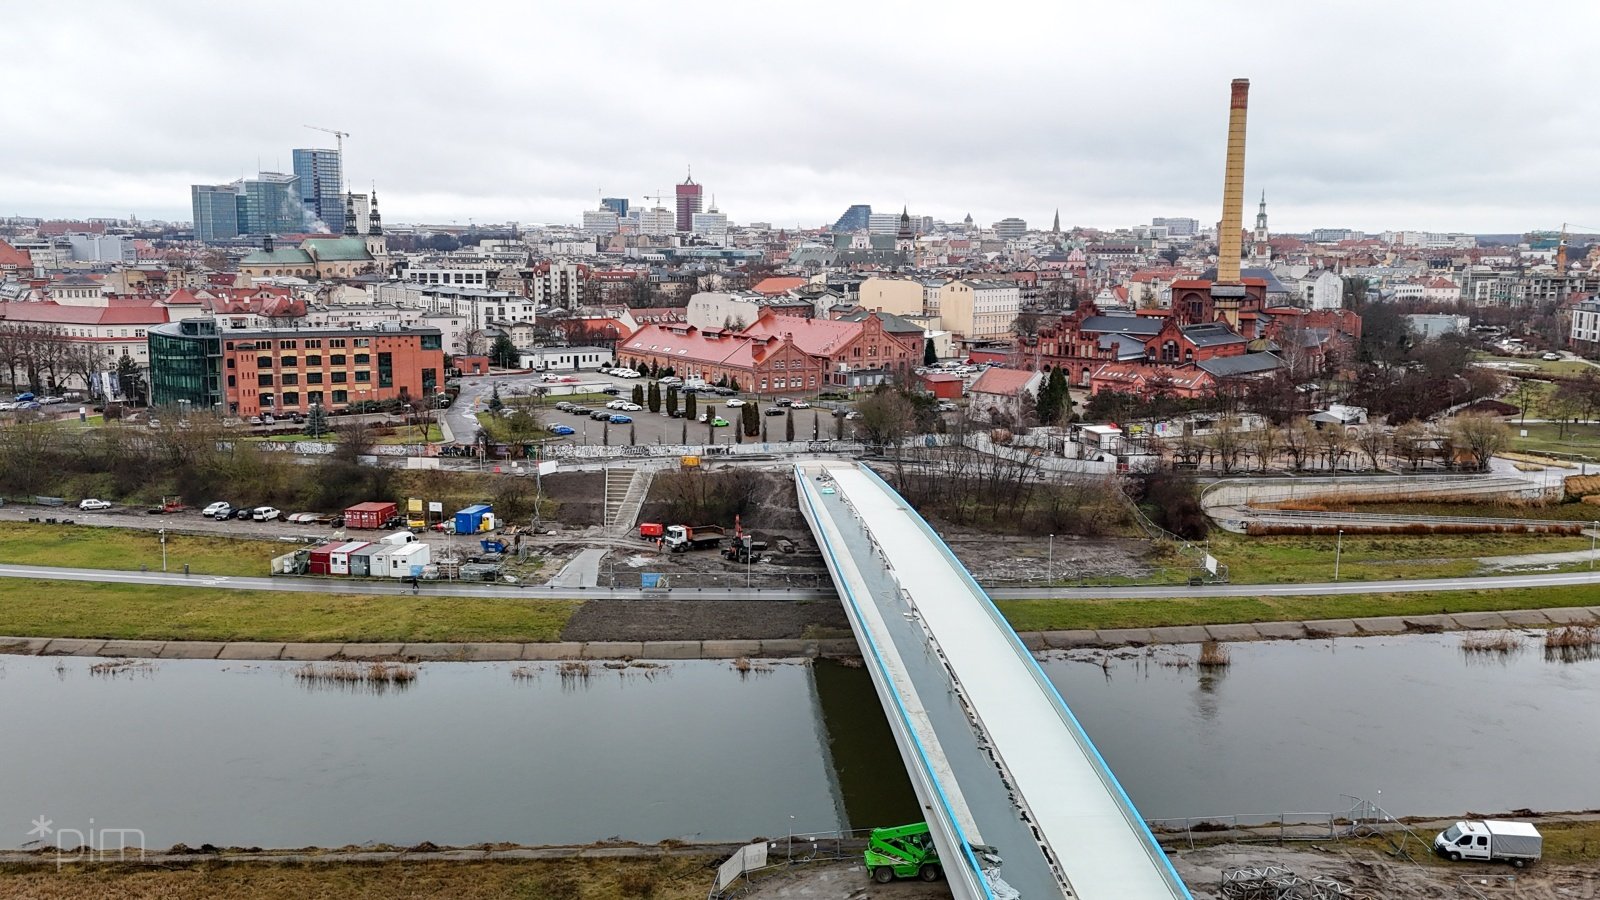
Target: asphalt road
(474, 589)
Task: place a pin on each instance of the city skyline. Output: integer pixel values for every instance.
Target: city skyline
(1010, 125)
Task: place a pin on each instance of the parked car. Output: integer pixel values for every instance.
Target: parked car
(579, 410)
(611, 389)
(799, 404)
(719, 422)
(562, 430)
(92, 504)
(153, 423)
(244, 513)
(734, 403)
(211, 511)
(620, 419)
(29, 404)
(600, 415)
(303, 518)
(25, 397)
(225, 511)
(268, 420)
(254, 420)
(617, 404)
(630, 407)
(776, 411)
(669, 380)
(564, 406)
(266, 514)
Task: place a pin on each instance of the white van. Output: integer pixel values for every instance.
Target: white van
(1518, 843)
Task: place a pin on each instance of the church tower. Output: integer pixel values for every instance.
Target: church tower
(350, 215)
(1055, 227)
(1260, 250)
(906, 238)
(377, 245)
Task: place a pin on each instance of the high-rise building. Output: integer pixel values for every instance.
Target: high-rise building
(1010, 229)
(854, 219)
(270, 204)
(656, 221)
(321, 174)
(1177, 226)
(883, 223)
(600, 221)
(618, 205)
(711, 224)
(689, 199)
(216, 211)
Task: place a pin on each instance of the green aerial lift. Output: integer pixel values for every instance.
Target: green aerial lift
(903, 852)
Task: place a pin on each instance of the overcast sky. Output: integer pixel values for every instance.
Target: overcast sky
(1460, 116)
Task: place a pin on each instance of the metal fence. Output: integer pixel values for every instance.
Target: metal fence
(742, 872)
(1248, 828)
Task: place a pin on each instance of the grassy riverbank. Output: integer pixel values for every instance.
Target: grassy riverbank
(664, 878)
(1066, 615)
(1310, 558)
(157, 613)
(86, 547)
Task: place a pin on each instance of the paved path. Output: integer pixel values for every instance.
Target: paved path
(583, 571)
(473, 589)
(1530, 560)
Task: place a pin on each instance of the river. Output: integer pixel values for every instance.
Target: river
(246, 754)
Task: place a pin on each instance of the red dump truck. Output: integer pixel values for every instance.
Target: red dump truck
(680, 538)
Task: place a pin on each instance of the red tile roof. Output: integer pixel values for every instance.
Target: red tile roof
(11, 256)
(772, 287)
(817, 337)
(1006, 382)
(51, 313)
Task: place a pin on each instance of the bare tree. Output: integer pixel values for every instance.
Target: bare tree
(1480, 436)
(1373, 440)
(1229, 442)
(1298, 438)
(1411, 442)
(1335, 443)
(1268, 441)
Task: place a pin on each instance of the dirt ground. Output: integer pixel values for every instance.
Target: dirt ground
(1379, 877)
(696, 620)
(1371, 875)
(1001, 559)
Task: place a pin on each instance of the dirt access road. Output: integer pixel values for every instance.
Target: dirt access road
(1371, 875)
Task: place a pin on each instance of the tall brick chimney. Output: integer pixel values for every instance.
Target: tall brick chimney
(1229, 246)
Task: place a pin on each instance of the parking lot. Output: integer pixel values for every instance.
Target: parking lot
(646, 428)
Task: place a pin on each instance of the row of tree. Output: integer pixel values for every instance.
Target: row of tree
(1469, 440)
(46, 358)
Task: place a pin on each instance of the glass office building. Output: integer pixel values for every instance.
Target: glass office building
(216, 212)
(186, 364)
(321, 175)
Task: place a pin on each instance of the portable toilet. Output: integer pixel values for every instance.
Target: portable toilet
(471, 519)
(361, 560)
(339, 557)
(319, 558)
(408, 560)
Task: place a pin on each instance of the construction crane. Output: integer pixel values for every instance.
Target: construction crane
(1561, 245)
(338, 137)
(657, 198)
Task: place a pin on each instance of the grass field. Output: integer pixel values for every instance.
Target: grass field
(1294, 559)
(667, 878)
(1549, 367)
(1548, 437)
(78, 546)
(157, 613)
(1063, 614)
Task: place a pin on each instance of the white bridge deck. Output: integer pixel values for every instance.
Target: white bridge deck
(997, 759)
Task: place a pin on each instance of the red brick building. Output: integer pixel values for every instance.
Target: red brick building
(282, 370)
(1085, 340)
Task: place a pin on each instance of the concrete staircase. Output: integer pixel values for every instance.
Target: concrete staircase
(626, 490)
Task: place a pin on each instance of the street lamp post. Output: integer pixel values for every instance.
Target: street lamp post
(1594, 534)
(1338, 551)
(163, 533)
(1050, 567)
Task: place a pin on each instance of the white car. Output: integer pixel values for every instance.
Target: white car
(624, 373)
(734, 403)
(800, 404)
(91, 504)
(266, 514)
(212, 510)
(619, 404)
(630, 407)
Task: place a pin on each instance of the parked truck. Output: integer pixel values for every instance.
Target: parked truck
(680, 538)
(903, 852)
(1518, 843)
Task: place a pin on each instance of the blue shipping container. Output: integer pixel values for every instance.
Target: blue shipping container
(470, 520)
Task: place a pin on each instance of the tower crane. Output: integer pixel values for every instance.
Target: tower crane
(1561, 245)
(338, 137)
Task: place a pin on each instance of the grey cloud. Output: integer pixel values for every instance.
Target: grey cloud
(1363, 114)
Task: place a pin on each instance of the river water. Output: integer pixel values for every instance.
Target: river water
(247, 754)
